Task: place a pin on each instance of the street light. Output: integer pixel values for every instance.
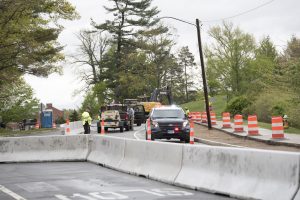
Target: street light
(202, 64)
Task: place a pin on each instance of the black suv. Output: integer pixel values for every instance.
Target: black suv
(169, 122)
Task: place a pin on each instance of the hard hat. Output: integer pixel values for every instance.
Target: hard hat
(285, 117)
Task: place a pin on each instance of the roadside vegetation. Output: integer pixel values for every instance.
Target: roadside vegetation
(10, 133)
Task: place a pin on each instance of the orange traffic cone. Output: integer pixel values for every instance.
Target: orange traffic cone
(102, 127)
(53, 125)
(37, 125)
(148, 130)
(238, 123)
(277, 128)
(252, 125)
(192, 133)
(226, 120)
(67, 127)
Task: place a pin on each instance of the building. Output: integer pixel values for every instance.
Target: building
(56, 112)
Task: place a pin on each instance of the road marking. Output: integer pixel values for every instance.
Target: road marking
(117, 196)
(11, 193)
(145, 191)
(141, 129)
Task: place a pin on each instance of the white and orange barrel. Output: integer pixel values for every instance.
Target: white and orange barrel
(252, 125)
(277, 128)
(53, 125)
(238, 123)
(203, 117)
(192, 133)
(226, 120)
(148, 130)
(102, 127)
(67, 127)
(213, 118)
(197, 116)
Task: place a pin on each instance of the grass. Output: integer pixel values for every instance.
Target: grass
(8, 133)
(219, 105)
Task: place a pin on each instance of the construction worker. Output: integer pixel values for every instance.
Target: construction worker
(187, 111)
(86, 122)
(131, 116)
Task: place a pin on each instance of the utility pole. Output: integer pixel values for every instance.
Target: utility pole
(203, 75)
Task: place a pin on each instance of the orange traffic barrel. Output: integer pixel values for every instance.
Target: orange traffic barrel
(277, 128)
(226, 120)
(204, 117)
(252, 125)
(213, 118)
(238, 123)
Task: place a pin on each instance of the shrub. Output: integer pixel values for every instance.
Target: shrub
(237, 105)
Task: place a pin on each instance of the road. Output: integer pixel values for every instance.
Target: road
(84, 181)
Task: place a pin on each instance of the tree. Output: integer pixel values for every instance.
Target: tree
(28, 35)
(186, 59)
(228, 56)
(74, 116)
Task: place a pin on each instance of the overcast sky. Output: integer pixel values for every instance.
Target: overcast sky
(280, 19)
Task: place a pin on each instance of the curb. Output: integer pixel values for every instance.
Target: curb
(270, 141)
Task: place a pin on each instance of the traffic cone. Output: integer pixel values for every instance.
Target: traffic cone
(102, 127)
(148, 130)
(53, 125)
(37, 125)
(238, 123)
(226, 120)
(67, 127)
(252, 125)
(204, 117)
(192, 133)
(213, 118)
(277, 128)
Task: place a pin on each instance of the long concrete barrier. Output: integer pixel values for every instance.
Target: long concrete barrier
(156, 160)
(242, 173)
(106, 150)
(44, 148)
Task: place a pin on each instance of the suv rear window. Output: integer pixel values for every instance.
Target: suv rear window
(172, 113)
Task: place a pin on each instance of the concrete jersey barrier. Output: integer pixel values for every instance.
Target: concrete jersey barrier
(106, 150)
(241, 173)
(152, 159)
(43, 148)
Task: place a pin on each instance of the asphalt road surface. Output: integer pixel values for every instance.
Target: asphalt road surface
(84, 181)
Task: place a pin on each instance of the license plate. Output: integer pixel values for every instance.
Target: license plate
(171, 131)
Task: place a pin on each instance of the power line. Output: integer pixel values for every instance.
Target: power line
(242, 13)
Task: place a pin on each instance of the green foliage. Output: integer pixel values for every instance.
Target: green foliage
(60, 120)
(237, 105)
(74, 116)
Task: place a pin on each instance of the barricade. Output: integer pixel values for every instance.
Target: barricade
(197, 117)
(192, 133)
(107, 151)
(148, 130)
(238, 123)
(44, 148)
(259, 174)
(213, 118)
(277, 128)
(252, 125)
(203, 117)
(152, 159)
(37, 125)
(226, 120)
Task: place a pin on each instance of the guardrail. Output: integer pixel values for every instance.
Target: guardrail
(241, 173)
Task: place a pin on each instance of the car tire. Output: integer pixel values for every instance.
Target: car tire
(139, 124)
(127, 128)
(187, 140)
(98, 129)
(106, 128)
(121, 129)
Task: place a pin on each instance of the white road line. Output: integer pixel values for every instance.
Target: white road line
(136, 137)
(11, 193)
